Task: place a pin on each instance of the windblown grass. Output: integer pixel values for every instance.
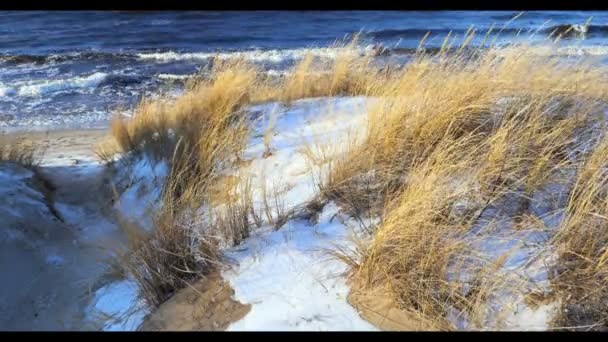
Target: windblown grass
(19, 151)
(458, 142)
(200, 134)
(453, 137)
(168, 258)
(582, 242)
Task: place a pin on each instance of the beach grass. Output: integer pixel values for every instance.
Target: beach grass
(454, 136)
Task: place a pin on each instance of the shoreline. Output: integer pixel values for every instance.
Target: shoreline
(39, 134)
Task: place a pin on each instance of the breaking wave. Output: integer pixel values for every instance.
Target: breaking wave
(577, 30)
(272, 56)
(40, 88)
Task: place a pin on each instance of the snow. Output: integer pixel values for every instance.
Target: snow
(173, 77)
(118, 304)
(18, 197)
(55, 260)
(293, 285)
(90, 225)
(79, 164)
(291, 273)
(526, 257)
(145, 178)
(119, 300)
(291, 281)
(310, 122)
(287, 275)
(526, 318)
(115, 305)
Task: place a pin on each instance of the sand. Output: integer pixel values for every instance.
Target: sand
(43, 295)
(207, 305)
(65, 146)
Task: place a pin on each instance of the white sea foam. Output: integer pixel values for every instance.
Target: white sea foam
(593, 50)
(572, 50)
(42, 122)
(38, 88)
(275, 56)
(44, 87)
(6, 91)
(173, 77)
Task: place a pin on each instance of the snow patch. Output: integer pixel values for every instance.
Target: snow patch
(291, 281)
(54, 260)
(306, 123)
(145, 179)
(119, 302)
(18, 197)
(288, 276)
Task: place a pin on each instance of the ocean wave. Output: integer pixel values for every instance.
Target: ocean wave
(96, 56)
(173, 77)
(277, 73)
(273, 56)
(577, 30)
(590, 50)
(539, 50)
(567, 30)
(419, 32)
(563, 51)
(6, 91)
(401, 33)
(38, 88)
(90, 56)
(22, 59)
(120, 80)
(88, 119)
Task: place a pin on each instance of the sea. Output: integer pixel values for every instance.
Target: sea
(77, 69)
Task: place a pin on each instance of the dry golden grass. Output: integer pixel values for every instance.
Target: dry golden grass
(582, 269)
(233, 219)
(273, 203)
(20, 151)
(168, 258)
(107, 150)
(268, 133)
(200, 134)
(487, 129)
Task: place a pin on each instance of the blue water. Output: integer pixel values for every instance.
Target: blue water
(76, 68)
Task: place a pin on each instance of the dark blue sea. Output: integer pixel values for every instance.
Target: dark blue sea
(75, 69)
